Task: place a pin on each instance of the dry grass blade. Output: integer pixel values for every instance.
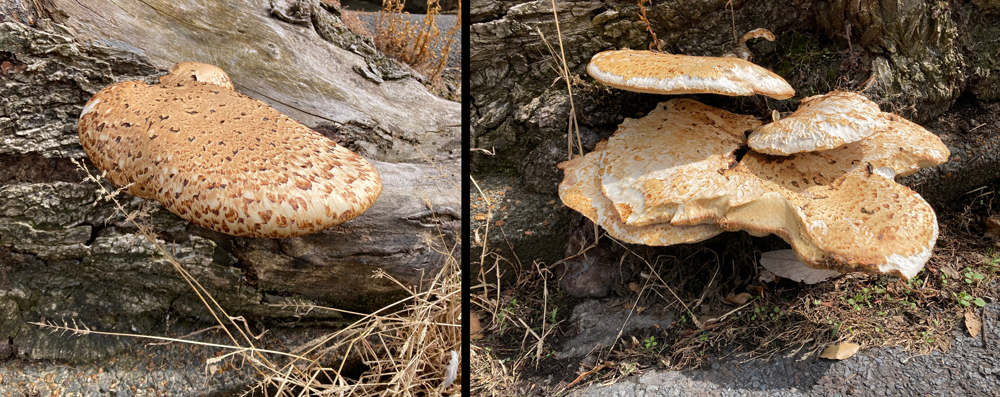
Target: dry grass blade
(562, 69)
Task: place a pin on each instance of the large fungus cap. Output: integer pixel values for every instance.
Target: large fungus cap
(822, 122)
(222, 160)
(662, 73)
(668, 166)
(860, 221)
(581, 191)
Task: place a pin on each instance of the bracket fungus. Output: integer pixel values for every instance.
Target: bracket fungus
(581, 191)
(192, 72)
(661, 73)
(223, 160)
(822, 122)
(822, 179)
(666, 167)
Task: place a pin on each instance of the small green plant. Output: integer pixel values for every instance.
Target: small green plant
(649, 343)
(965, 299)
(972, 276)
(506, 314)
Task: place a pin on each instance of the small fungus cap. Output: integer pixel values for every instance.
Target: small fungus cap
(190, 72)
(224, 161)
(662, 73)
(822, 122)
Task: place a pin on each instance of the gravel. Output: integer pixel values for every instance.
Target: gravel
(971, 367)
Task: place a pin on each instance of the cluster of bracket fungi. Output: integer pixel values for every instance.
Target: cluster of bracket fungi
(822, 178)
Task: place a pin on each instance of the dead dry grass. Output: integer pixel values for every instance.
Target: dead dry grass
(412, 43)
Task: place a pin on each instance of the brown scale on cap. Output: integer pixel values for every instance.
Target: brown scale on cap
(822, 122)
(859, 221)
(222, 160)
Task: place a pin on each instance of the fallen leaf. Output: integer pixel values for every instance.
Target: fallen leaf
(475, 328)
(827, 303)
(840, 351)
(633, 287)
(993, 227)
(499, 223)
(504, 208)
(480, 217)
(738, 299)
(551, 202)
(527, 232)
(545, 223)
(973, 324)
(784, 263)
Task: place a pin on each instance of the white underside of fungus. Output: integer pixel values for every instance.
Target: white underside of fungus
(581, 191)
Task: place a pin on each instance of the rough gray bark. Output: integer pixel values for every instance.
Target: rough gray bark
(64, 258)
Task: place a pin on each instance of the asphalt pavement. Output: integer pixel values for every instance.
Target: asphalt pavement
(971, 367)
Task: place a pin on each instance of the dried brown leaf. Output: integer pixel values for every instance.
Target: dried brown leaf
(840, 351)
(738, 299)
(973, 323)
(475, 329)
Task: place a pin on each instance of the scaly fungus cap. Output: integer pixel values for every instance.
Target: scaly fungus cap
(822, 122)
(224, 161)
(581, 191)
(667, 166)
(860, 221)
(662, 73)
